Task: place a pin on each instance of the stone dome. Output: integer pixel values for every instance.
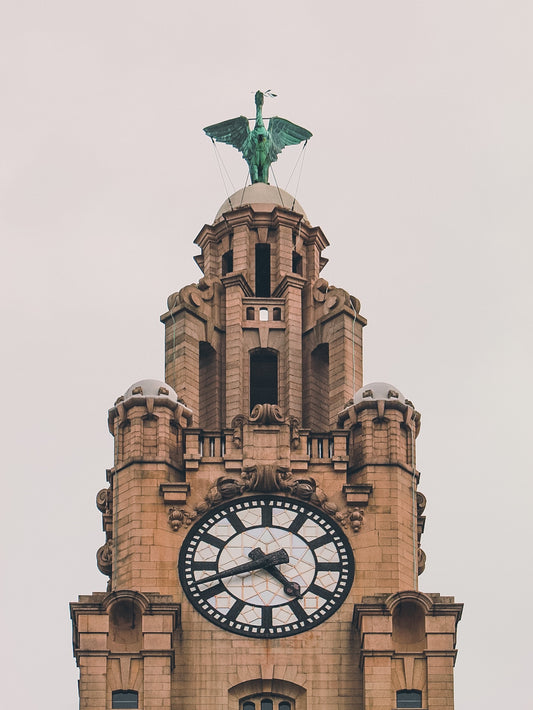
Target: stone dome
(263, 197)
(379, 391)
(150, 388)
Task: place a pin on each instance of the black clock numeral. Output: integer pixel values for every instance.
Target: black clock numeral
(266, 617)
(204, 566)
(319, 591)
(319, 541)
(235, 610)
(212, 540)
(328, 567)
(297, 523)
(297, 610)
(212, 591)
(266, 516)
(236, 522)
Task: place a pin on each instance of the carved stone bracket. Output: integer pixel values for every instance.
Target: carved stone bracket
(104, 558)
(104, 503)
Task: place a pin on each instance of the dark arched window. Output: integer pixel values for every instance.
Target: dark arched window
(125, 699)
(227, 262)
(262, 703)
(262, 270)
(263, 377)
(409, 699)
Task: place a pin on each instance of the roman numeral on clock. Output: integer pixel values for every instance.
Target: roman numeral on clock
(235, 610)
(319, 541)
(297, 610)
(212, 540)
(328, 567)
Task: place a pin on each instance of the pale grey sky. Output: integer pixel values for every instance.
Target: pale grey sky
(420, 174)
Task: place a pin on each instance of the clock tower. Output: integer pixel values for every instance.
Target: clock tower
(262, 517)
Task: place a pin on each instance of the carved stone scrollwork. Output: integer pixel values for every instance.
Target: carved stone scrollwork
(352, 518)
(266, 414)
(225, 488)
(104, 558)
(104, 500)
(420, 503)
(421, 559)
(266, 478)
(331, 296)
(180, 516)
(193, 294)
(307, 489)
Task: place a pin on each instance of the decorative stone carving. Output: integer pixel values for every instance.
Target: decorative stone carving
(104, 500)
(104, 558)
(265, 478)
(194, 294)
(352, 518)
(294, 424)
(237, 424)
(180, 516)
(331, 296)
(225, 488)
(421, 559)
(420, 503)
(266, 414)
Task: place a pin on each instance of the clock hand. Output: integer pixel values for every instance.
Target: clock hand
(273, 558)
(291, 589)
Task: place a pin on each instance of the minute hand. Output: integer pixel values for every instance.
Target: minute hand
(273, 558)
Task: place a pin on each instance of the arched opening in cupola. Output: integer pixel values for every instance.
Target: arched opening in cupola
(263, 377)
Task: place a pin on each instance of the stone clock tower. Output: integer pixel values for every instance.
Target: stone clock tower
(262, 516)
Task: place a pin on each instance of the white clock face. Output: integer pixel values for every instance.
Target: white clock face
(266, 566)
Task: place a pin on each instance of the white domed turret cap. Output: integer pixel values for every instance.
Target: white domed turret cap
(379, 391)
(150, 388)
(263, 198)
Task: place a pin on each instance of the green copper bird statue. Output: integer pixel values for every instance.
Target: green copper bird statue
(259, 147)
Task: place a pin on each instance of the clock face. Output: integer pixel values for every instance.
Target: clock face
(266, 566)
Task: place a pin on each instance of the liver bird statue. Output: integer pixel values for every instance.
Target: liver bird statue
(261, 146)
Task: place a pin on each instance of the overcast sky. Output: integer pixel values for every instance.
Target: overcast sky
(420, 174)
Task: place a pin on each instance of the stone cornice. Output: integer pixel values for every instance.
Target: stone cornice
(287, 281)
(236, 278)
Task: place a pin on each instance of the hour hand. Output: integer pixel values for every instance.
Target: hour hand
(273, 558)
(291, 589)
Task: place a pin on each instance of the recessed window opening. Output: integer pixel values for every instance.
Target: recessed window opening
(211, 446)
(250, 313)
(267, 704)
(125, 699)
(201, 445)
(297, 263)
(276, 314)
(263, 314)
(262, 270)
(263, 377)
(227, 262)
(330, 448)
(409, 699)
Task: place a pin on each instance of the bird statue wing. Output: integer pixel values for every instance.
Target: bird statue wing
(234, 131)
(283, 133)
